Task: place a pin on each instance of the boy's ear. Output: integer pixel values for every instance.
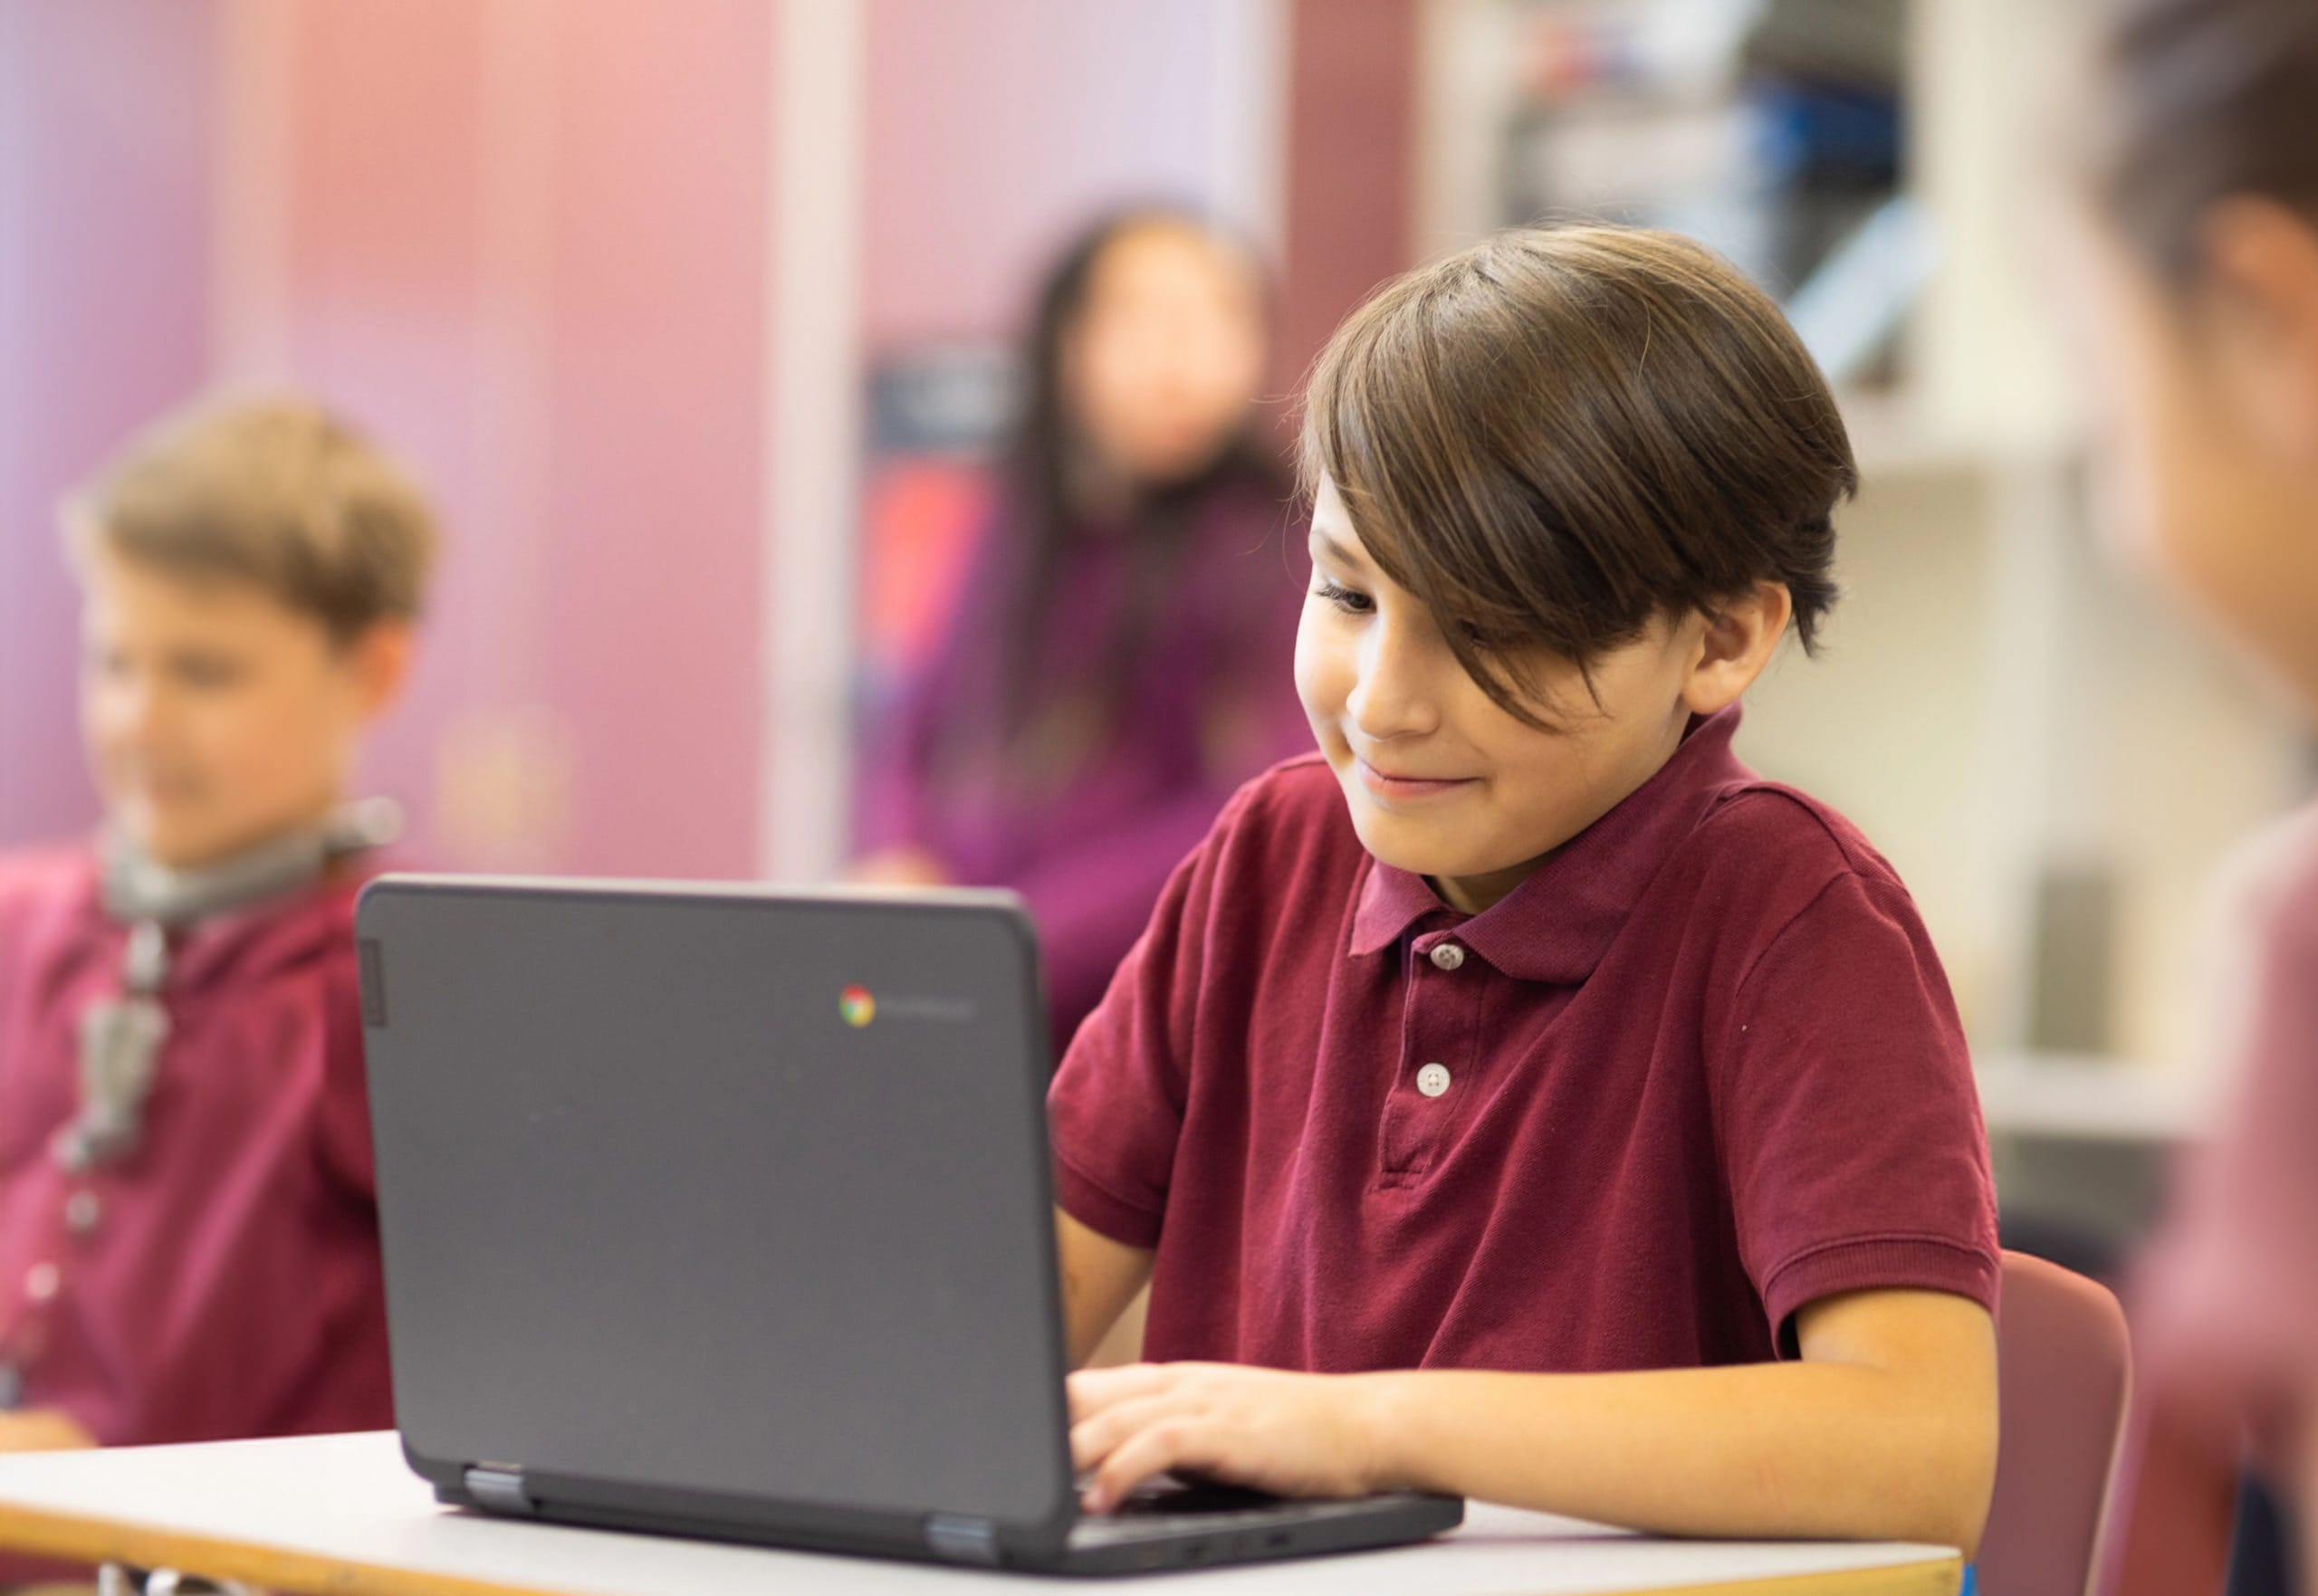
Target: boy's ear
(2258, 286)
(378, 660)
(1735, 642)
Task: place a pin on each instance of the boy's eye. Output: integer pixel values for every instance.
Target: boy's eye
(206, 670)
(1344, 599)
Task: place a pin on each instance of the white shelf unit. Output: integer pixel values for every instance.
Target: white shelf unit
(2060, 1097)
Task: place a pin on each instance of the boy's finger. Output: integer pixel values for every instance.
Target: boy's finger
(1171, 1443)
(1094, 1390)
(1095, 1436)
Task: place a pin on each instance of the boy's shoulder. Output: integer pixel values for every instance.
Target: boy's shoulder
(52, 898)
(2262, 905)
(1294, 802)
(1283, 837)
(313, 925)
(60, 877)
(2268, 884)
(1765, 852)
(50, 907)
(1771, 824)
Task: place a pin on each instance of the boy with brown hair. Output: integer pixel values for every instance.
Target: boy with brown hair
(2194, 268)
(189, 1248)
(1520, 1098)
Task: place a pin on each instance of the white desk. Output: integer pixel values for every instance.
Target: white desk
(340, 1515)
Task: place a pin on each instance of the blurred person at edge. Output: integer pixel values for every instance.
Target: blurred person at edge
(1116, 664)
(189, 1240)
(2197, 260)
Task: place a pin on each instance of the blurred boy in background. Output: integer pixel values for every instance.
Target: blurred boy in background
(2202, 267)
(188, 1247)
(1117, 663)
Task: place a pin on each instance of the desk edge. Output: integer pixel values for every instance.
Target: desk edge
(78, 1538)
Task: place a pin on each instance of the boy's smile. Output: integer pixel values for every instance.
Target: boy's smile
(1399, 787)
(1443, 782)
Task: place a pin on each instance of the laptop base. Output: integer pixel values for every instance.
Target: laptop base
(1146, 1543)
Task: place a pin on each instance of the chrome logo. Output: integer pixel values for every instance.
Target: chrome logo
(858, 1006)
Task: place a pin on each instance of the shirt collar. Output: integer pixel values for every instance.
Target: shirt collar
(1557, 925)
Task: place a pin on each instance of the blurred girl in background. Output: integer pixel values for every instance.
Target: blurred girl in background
(1116, 663)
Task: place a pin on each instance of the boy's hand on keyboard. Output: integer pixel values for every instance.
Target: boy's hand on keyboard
(1296, 1434)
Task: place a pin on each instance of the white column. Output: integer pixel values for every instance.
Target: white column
(812, 445)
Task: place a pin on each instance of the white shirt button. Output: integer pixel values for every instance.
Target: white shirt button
(1433, 1080)
(1447, 956)
(82, 1212)
(41, 1282)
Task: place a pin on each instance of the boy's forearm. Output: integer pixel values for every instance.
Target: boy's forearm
(1803, 1449)
(1099, 1278)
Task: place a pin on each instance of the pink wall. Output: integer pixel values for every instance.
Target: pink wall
(995, 128)
(105, 110)
(377, 302)
(651, 616)
(525, 242)
(527, 245)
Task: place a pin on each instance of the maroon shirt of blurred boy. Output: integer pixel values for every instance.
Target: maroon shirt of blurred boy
(197, 1257)
(222, 1280)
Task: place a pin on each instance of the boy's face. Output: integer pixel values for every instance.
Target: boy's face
(216, 717)
(1441, 780)
(2206, 404)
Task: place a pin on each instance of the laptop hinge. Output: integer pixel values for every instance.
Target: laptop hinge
(963, 1540)
(499, 1487)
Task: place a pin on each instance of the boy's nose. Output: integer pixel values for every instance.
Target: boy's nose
(1390, 696)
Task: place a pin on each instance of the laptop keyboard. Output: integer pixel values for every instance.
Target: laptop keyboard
(1205, 1501)
(1172, 1505)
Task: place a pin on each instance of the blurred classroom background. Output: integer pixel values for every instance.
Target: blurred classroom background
(700, 317)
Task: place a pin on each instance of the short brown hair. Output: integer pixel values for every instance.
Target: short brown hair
(2201, 101)
(1562, 434)
(275, 492)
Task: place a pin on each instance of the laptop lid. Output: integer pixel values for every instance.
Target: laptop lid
(720, 1194)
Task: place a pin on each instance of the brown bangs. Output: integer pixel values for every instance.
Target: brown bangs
(1558, 436)
(277, 492)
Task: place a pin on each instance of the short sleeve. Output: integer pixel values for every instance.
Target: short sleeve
(1116, 1105)
(1846, 1113)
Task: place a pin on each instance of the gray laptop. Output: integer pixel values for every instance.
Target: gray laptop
(727, 1212)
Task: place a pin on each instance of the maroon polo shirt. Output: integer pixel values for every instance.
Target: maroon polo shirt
(2226, 1306)
(1698, 1071)
(223, 1279)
